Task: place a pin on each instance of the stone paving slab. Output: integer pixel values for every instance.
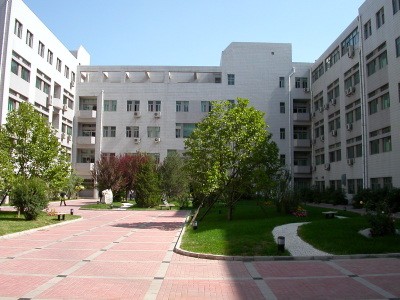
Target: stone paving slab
(128, 255)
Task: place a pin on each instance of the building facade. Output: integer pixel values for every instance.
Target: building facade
(355, 101)
(126, 109)
(336, 121)
(36, 67)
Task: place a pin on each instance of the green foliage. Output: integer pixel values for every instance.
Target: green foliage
(330, 196)
(73, 185)
(32, 147)
(147, 187)
(175, 178)
(30, 196)
(373, 197)
(231, 152)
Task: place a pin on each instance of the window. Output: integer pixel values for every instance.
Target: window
(154, 105)
(66, 72)
(110, 105)
(231, 79)
(350, 40)
(109, 131)
(332, 59)
(396, 6)
(387, 182)
(42, 85)
(371, 67)
(153, 131)
(282, 133)
(387, 144)
(283, 159)
(132, 131)
(136, 105)
(206, 106)
(184, 130)
(357, 112)
(318, 72)
(29, 38)
(182, 106)
(129, 105)
(374, 146)
(41, 49)
(49, 57)
(72, 76)
(367, 29)
(380, 18)
(282, 107)
(385, 101)
(20, 70)
(373, 106)
(350, 186)
(301, 82)
(58, 65)
(14, 67)
(382, 60)
(398, 46)
(281, 82)
(300, 132)
(18, 29)
(375, 184)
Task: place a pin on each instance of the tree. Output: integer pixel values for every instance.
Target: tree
(231, 152)
(33, 148)
(118, 173)
(6, 171)
(174, 177)
(73, 184)
(147, 186)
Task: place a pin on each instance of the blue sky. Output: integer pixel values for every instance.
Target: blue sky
(191, 33)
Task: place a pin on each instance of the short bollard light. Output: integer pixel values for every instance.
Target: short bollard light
(195, 225)
(72, 211)
(281, 243)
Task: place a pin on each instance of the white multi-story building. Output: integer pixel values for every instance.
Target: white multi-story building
(36, 67)
(355, 100)
(126, 109)
(340, 129)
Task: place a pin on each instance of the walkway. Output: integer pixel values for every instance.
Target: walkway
(129, 255)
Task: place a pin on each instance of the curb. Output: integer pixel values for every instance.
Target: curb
(178, 250)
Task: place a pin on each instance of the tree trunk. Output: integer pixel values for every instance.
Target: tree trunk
(230, 212)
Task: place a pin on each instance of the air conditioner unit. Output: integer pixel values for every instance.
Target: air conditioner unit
(306, 90)
(333, 101)
(326, 106)
(63, 135)
(334, 132)
(65, 107)
(157, 114)
(322, 138)
(72, 84)
(349, 126)
(157, 140)
(350, 161)
(321, 109)
(327, 167)
(136, 140)
(350, 51)
(136, 114)
(49, 100)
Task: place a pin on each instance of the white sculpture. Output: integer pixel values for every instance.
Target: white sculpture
(108, 196)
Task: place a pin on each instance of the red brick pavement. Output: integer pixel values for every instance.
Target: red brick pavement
(127, 255)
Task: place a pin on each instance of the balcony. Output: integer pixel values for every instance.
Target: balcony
(57, 102)
(86, 140)
(84, 168)
(86, 114)
(303, 143)
(302, 169)
(303, 117)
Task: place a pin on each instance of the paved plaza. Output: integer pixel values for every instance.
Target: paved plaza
(129, 255)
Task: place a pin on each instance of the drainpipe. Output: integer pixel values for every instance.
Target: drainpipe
(363, 108)
(290, 130)
(3, 53)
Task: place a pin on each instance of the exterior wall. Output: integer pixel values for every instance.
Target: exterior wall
(256, 68)
(383, 124)
(56, 102)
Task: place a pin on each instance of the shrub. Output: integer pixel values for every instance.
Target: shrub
(29, 196)
(147, 186)
(379, 213)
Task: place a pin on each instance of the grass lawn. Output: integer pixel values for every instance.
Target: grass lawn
(133, 207)
(250, 232)
(9, 223)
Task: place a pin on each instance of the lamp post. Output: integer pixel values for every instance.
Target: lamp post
(281, 243)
